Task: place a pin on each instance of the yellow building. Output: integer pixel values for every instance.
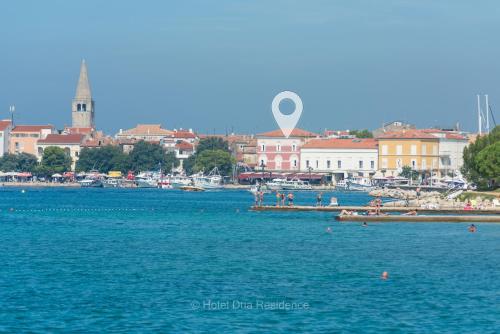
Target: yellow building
(413, 148)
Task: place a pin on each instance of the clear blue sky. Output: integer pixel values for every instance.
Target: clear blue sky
(218, 64)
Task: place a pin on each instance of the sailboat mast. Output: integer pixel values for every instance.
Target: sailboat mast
(479, 114)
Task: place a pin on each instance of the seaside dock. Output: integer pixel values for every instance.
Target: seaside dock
(420, 219)
(384, 209)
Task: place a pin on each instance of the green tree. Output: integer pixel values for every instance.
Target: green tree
(26, 162)
(8, 163)
(188, 164)
(103, 159)
(212, 143)
(23, 162)
(472, 164)
(147, 156)
(408, 173)
(54, 160)
(488, 162)
(208, 159)
(361, 133)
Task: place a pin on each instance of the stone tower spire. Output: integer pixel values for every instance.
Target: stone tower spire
(83, 106)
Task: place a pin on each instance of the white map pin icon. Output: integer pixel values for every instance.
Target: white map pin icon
(287, 122)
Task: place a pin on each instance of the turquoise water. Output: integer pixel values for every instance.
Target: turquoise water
(112, 260)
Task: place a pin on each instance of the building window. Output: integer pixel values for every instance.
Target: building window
(414, 164)
(372, 164)
(317, 164)
(398, 163)
(294, 147)
(424, 164)
(40, 151)
(263, 148)
(328, 164)
(413, 149)
(339, 164)
(262, 163)
(79, 107)
(17, 145)
(424, 149)
(384, 163)
(384, 149)
(84, 107)
(77, 154)
(294, 163)
(434, 150)
(360, 164)
(399, 149)
(307, 163)
(278, 147)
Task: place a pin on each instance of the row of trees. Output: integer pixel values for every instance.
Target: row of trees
(211, 152)
(145, 156)
(54, 160)
(482, 160)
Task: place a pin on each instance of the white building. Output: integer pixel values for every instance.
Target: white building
(5, 128)
(340, 158)
(71, 144)
(451, 148)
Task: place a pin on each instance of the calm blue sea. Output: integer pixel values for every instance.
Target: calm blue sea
(124, 261)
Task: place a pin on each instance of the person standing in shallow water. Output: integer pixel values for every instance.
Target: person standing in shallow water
(290, 199)
(319, 199)
(278, 198)
(283, 199)
(261, 198)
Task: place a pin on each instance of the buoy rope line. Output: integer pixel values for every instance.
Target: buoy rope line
(75, 210)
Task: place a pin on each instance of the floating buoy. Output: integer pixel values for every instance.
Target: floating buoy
(328, 230)
(385, 275)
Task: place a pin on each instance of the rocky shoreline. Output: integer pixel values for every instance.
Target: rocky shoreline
(433, 199)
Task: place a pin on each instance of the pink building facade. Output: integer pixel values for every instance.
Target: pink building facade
(275, 152)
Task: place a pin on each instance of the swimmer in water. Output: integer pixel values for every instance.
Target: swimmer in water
(472, 228)
(328, 230)
(364, 224)
(385, 275)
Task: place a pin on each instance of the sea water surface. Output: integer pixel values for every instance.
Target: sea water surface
(132, 260)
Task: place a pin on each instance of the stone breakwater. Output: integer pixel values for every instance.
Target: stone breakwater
(431, 199)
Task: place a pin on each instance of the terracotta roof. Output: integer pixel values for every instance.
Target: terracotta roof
(295, 133)
(184, 146)
(4, 125)
(407, 134)
(147, 129)
(62, 139)
(447, 134)
(455, 136)
(341, 143)
(31, 128)
(183, 134)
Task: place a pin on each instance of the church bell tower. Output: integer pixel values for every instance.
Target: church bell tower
(82, 110)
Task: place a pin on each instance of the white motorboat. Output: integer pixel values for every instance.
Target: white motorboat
(355, 184)
(177, 181)
(211, 181)
(90, 183)
(284, 184)
(111, 183)
(147, 180)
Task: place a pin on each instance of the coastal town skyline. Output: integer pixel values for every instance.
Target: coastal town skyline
(198, 68)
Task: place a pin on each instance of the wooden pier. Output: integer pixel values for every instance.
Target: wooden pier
(384, 209)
